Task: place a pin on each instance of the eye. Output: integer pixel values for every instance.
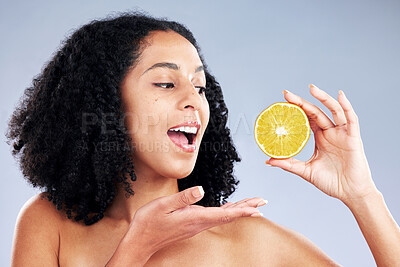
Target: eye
(201, 89)
(171, 85)
(165, 85)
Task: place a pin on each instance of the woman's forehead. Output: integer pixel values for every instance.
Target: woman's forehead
(165, 39)
(168, 46)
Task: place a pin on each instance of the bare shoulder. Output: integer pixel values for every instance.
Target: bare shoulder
(40, 211)
(264, 241)
(36, 234)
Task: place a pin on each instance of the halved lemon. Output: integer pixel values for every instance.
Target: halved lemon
(282, 130)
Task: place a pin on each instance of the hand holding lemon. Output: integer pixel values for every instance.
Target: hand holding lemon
(338, 166)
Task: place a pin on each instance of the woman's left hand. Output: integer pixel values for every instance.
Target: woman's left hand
(338, 166)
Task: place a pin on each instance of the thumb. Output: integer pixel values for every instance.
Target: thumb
(291, 165)
(184, 198)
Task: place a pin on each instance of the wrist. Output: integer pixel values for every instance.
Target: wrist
(131, 251)
(363, 201)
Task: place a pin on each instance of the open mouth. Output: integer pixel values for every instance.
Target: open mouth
(184, 136)
(190, 137)
(180, 137)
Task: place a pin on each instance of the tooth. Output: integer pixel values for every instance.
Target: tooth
(187, 129)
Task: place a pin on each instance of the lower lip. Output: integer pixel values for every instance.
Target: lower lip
(186, 148)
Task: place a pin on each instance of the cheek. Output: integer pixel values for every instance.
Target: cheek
(206, 114)
(147, 122)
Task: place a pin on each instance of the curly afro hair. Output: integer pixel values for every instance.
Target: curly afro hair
(57, 155)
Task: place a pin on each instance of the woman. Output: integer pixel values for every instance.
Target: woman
(101, 132)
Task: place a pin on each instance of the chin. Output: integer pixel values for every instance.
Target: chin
(181, 175)
(179, 167)
(179, 172)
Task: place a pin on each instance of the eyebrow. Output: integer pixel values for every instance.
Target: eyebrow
(171, 66)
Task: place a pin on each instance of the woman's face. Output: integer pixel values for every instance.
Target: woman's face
(160, 93)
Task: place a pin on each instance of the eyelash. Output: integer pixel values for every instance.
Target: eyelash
(201, 91)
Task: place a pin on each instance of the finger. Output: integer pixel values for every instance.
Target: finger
(291, 165)
(353, 127)
(241, 201)
(251, 202)
(329, 102)
(217, 216)
(228, 204)
(313, 112)
(183, 198)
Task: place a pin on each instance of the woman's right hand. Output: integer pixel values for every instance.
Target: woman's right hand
(172, 218)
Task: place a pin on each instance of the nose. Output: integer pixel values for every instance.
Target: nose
(190, 98)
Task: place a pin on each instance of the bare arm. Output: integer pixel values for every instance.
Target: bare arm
(378, 227)
(126, 253)
(173, 218)
(340, 169)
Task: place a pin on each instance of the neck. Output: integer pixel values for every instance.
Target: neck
(146, 189)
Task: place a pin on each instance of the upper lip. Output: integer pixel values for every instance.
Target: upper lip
(188, 124)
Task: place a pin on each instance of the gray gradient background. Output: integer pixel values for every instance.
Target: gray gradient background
(255, 49)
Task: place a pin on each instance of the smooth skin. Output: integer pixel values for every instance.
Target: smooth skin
(340, 169)
(160, 226)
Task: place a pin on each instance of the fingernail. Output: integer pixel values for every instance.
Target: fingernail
(312, 85)
(198, 192)
(285, 91)
(341, 93)
(262, 203)
(257, 214)
(268, 164)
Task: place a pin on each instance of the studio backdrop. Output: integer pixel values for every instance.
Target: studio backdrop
(255, 49)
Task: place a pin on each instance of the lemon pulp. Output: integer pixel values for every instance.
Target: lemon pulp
(282, 130)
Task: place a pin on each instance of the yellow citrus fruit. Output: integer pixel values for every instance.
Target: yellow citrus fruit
(282, 130)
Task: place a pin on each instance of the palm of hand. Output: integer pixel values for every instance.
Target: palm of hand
(338, 166)
(337, 163)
